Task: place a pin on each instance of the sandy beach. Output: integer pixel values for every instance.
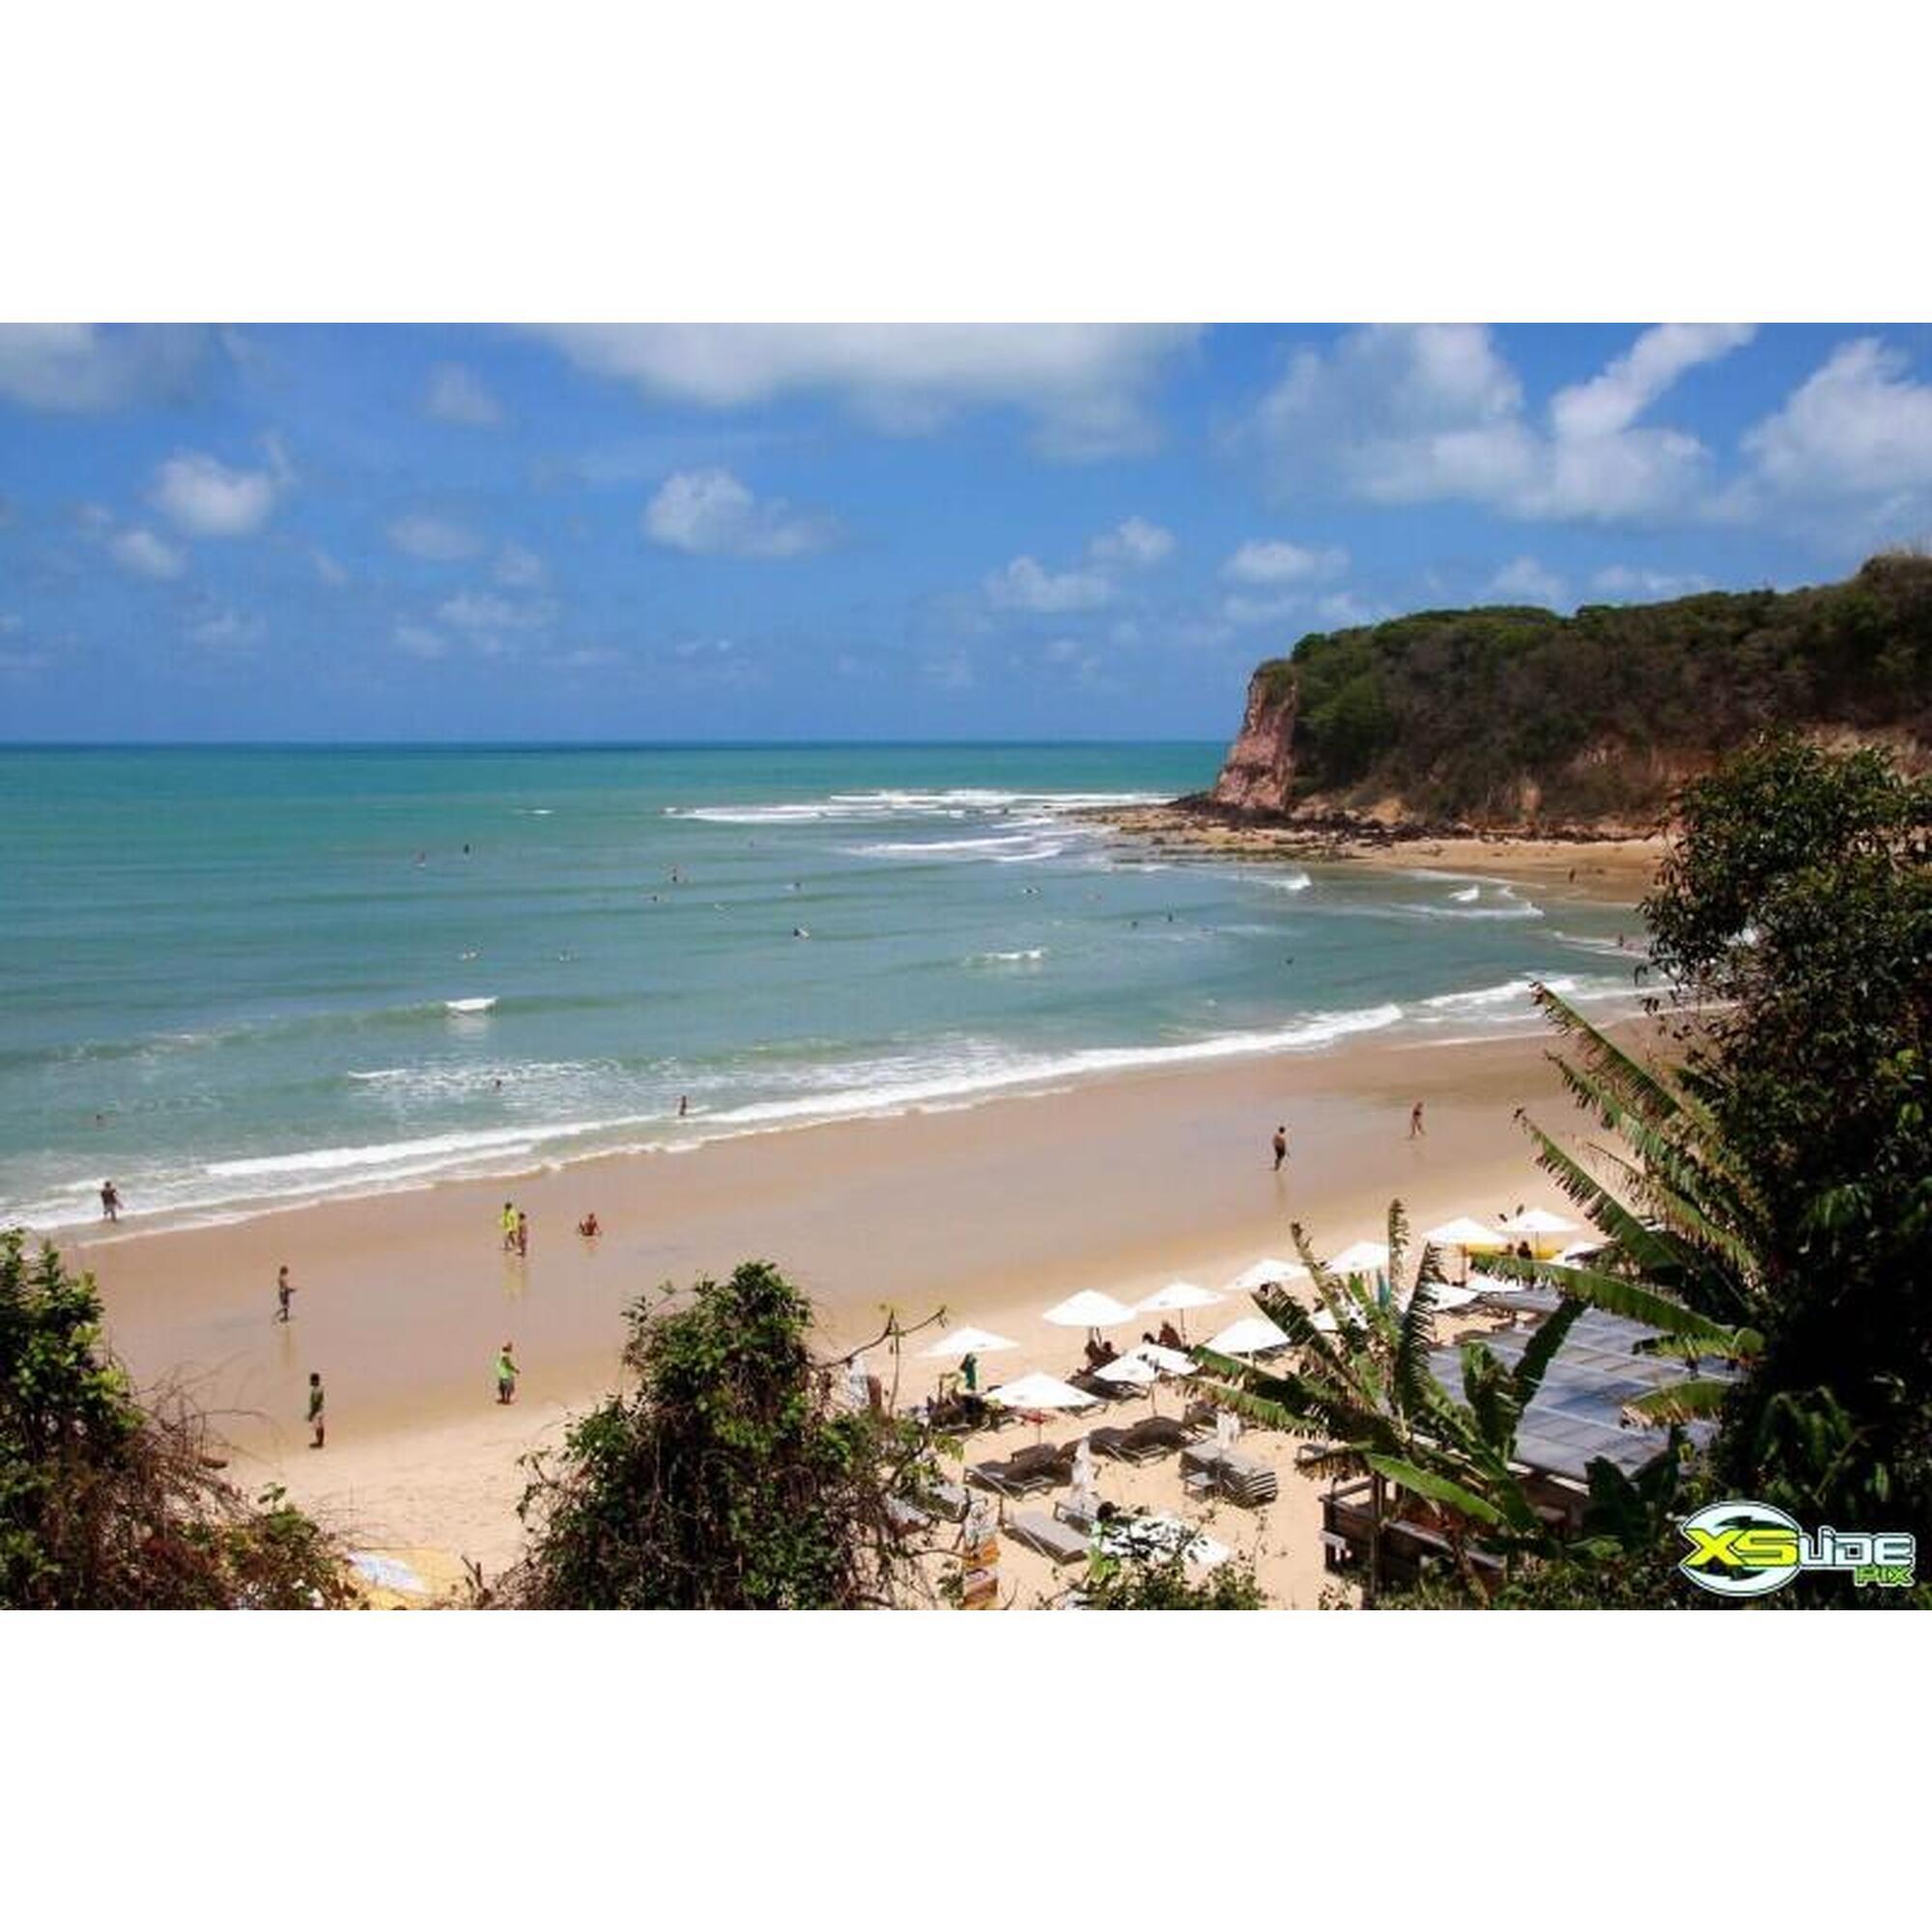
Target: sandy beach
(989, 1213)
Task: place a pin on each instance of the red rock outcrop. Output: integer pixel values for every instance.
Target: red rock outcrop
(1259, 774)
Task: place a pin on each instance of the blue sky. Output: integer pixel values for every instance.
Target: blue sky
(902, 531)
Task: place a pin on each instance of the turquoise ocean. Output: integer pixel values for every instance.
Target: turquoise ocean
(232, 977)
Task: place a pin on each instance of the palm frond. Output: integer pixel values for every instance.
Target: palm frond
(1437, 1488)
(1697, 1400)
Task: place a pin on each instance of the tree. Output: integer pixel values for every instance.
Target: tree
(727, 1477)
(1362, 1384)
(1794, 917)
(1162, 1583)
(108, 1504)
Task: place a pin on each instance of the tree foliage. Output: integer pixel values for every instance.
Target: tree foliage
(1794, 917)
(106, 1503)
(727, 1476)
(1512, 714)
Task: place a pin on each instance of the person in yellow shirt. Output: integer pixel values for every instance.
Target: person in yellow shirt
(506, 1375)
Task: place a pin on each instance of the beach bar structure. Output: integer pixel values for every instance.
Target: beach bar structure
(1575, 1418)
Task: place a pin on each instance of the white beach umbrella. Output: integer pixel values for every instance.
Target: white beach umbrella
(1539, 1221)
(1169, 1361)
(1248, 1336)
(957, 1344)
(1266, 1273)
(1132, 1369)
(1040, 1391)
(1177, 1294)
(1360, 1258)
(1466, 1234)
(1088, 1309)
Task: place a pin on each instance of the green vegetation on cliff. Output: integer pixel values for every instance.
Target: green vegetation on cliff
(1515, 715)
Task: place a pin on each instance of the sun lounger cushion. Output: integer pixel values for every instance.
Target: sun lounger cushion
(1008, 1479)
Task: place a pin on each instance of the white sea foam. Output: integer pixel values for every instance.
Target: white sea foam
(852, 806)
(1285, 882)
(478, 1006)
(1468, 895)
(1025, 954)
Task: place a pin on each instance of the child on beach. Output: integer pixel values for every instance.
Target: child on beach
(315, 1403)
(1415, 1120)
(522, 1233)
(1280, 1146)
(506, 1375)
(285, 1290)
(509, 1226)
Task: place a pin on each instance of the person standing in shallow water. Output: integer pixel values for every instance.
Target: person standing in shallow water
(314, 1408)
(1280, 1146)
(506, 1375)
(1416, 1120)
(509, 1225)
(285, 1292)
(111, 1202)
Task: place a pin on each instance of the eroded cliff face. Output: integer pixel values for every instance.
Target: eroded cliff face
(1260, 771)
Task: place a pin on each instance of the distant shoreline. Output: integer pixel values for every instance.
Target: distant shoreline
(1606, 864)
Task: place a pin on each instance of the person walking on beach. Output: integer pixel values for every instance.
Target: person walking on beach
(509, 1226)
(507, 1376)
(315, 1404)
(1280, 1146)
(1416, 1120)
(111, 1202)
(522, 1234)
(285, 1292)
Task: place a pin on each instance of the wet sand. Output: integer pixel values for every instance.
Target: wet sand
(992, 1212)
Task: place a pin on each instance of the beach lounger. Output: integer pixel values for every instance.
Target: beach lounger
(1161, 1434)
(1119, 1446)
(1010, 1479)
(947, 1499)
(1054, 1540)
(1246, 1479)
(1103, 1390)
(905, 1517)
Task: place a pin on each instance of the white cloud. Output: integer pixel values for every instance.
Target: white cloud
(435, 539)
(420, 642)
(327, 569)
(1260, 561)
(1135, 543)
(480, 611)
(145, 553)
(700, 647)
(1024, 585)
(454, 395)
(1417, 414)
(228, 631)
(1623, 582)
(1525, 581)
(206, 498)
(81, 369)
(1084, 386)
(519, 568)
(1858, 426)
(710, 513)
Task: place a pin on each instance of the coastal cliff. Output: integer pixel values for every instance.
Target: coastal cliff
(1515, 721)
(1258, 775)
